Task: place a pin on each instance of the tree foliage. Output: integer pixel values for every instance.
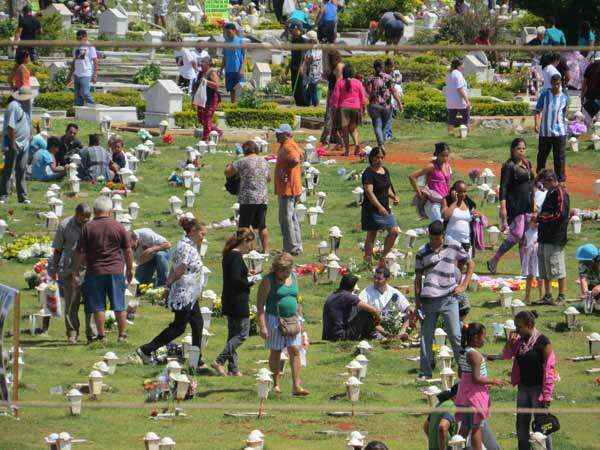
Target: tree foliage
(568, 13)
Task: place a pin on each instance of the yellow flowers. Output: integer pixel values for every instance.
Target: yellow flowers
(24, 243)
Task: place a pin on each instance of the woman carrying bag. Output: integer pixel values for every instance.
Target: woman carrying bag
(534, 373)
(206, 97)
(183, 287)
(278, 320)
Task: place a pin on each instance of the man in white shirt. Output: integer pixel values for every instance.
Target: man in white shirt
(386, 299)
(188, 68)
(151, 254)
(84, 70)
(457, 97)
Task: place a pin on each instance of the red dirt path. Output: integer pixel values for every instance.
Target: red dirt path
(580, 180)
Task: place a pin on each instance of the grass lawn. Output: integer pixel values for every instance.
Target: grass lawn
(389, 384)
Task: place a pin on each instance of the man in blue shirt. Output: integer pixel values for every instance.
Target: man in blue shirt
(551, 124)
(16, 133)
(553, 35)
(43, 166)
(233, 61)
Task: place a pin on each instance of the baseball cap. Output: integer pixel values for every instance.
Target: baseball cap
(284, 128)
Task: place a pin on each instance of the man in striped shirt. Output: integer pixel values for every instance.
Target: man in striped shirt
(437, 282)
(551, 124)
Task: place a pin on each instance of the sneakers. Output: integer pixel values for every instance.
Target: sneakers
(561, 300)
(546, 299)
(146, 359)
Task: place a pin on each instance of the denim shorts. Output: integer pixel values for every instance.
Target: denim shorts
(372, 221)
(97, 287)
(232, 79)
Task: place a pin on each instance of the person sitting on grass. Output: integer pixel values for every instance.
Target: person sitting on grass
(95, 161)
(388, 302)
(588, 256)
(346, 316)
(44, 166)
(440, 425)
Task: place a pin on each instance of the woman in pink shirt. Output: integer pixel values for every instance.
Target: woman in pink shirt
(349, 100)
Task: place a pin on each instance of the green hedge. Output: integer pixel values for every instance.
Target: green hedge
(269, 115)
(436, 111)
(64, 100)
(423, 68)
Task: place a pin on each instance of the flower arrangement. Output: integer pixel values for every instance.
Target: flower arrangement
(34, 277)
(27, 247)
(168, 139)
(216, 308)
(474, 175)
(116, 186)
(150, 293)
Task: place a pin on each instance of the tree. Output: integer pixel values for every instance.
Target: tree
(564, 11)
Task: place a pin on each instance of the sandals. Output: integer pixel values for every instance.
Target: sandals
(300, 393)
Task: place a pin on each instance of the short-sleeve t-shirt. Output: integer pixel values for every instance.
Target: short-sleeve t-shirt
(16, 118)
(233, 56)
(455, 81)
(146, 238)
(254, 174)
(315, 65)
(329, 12)
(30, 27)
(381, 186)
(336, 313)
(84, 61)
(41, 165)
(188, 58)
(434, 423)
(531, 364)
(102, 241)
(119, 159)
(384, 301)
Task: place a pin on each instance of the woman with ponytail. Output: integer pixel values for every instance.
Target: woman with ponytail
(473, 389)
(349, 100)
(183, 286)
(380, 88)
(533, 372)
(235, 298)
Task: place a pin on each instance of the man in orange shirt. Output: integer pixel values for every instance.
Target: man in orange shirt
(288, 187)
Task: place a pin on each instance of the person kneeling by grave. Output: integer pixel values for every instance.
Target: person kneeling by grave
(588, 256)
(347, 317)
(390, 303)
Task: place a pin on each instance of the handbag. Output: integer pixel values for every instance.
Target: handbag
(288, 326)
(546, 424)
(592, 107)
(200, 95)
(232, 184)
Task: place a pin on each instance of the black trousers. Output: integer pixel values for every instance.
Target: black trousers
(298, 86)
(361, 326)
(177, 328)
(558, 146)
(278, 10)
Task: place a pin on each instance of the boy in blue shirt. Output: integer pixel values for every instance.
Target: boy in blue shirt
(43, 165)
(233, 61)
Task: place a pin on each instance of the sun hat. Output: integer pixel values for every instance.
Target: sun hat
(283, 128)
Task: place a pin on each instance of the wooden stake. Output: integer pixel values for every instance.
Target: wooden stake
(261, 408)
(15, 363)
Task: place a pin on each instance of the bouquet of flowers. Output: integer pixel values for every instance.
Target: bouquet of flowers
(32, 279)
(27, 247)
(168, 139)
(392, 319)
(216, 307)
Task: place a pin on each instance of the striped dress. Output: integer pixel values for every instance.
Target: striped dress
(470, 394)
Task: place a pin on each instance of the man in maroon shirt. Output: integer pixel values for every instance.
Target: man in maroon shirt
(106, 249)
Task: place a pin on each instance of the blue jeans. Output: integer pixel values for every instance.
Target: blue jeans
(159, 263)
(387, 126)
(432, 308)
(380, 116)
(82, 91)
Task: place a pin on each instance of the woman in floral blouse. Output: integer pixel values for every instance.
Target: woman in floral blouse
(182, 289)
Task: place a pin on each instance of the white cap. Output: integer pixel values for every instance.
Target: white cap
(540, 30)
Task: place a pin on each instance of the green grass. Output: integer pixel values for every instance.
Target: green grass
(390, 382)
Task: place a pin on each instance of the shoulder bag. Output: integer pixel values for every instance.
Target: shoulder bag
(288, 326)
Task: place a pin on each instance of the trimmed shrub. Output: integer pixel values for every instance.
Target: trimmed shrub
(64, 100)
(257, 118)
(358, 14)
(421, 68)
(186, 119)
(436, 111)
(464, 28)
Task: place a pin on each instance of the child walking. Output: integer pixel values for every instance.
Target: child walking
(473, 390)
(529, 259)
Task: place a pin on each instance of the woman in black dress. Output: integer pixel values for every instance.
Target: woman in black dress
(516, 199)
(235, 299)
(376, 213)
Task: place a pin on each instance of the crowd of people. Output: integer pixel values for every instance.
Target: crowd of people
(94, 256)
